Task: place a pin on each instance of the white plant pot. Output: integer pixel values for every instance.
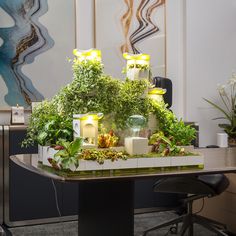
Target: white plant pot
(149, 162)
(40, 153)
(82, 165)
(128, 164)
(93, 165)
(133, 73)
(143, 74)
(187, 161)
(146, 162)
(73, 168)
(48, 152)
(110, 165)
(163, 162)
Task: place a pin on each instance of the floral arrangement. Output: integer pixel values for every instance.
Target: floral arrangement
(227, 95)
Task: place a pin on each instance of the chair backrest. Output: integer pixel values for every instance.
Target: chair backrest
(188, 185)
(209, 185)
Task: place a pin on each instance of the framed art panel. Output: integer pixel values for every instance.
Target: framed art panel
(135, 26)
(36, 36)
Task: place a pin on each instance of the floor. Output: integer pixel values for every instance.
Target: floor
(142, 222)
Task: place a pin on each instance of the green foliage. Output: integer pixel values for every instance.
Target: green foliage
(107, 139)
(165, 146)
(90, 91)
(55, 128)
(68, 155)
(101, 155)
(175, 129)
(182, 134)
(130, 101)
(37, 121)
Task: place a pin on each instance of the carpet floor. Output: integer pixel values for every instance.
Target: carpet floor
(141, 223)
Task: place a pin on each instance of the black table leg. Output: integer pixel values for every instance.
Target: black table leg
(106, 208)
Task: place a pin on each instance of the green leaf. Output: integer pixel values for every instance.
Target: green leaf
(219, 108)
(75, 146)
(41, 137)
(165, 139)
(64, 143)
(61, 153)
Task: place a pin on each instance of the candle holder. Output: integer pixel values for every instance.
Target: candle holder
(138, 66)
(86, 126)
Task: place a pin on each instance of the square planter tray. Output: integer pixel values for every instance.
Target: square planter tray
(130, 163)
(148, 162)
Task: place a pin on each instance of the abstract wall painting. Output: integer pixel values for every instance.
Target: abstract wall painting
(23, 39)
(135, 26)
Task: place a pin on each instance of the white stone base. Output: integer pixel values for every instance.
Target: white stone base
(136, 145)
(40, 153)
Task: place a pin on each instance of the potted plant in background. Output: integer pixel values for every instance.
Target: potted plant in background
(227, 95)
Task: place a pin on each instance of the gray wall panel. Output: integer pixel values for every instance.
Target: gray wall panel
(1, 174)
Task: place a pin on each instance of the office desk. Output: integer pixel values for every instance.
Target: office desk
(106, 199)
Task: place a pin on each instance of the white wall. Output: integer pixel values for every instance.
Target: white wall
(175, 50)
(84, 24)
(210, 59)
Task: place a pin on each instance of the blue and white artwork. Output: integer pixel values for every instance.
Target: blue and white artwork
(22, 42)
(32, 45)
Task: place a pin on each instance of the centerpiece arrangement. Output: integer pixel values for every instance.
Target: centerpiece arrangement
(98, 122)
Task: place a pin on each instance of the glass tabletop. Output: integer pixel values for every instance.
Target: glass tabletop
(217, 160)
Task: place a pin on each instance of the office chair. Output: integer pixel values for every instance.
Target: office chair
(196, 188)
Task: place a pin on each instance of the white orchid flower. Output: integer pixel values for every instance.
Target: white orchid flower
(221, 90)
(232, 80)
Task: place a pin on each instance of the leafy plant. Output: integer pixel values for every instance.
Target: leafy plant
(101, 155)
(106, 140)
(179, 133)
(68, 155)
(55, 128)
(37, 121)
(227, 94)
(165, 146)
(90, 91)
(131, 101)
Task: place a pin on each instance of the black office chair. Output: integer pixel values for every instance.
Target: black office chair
(196, 188)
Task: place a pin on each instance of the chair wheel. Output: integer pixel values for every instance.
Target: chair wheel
(173, 230)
